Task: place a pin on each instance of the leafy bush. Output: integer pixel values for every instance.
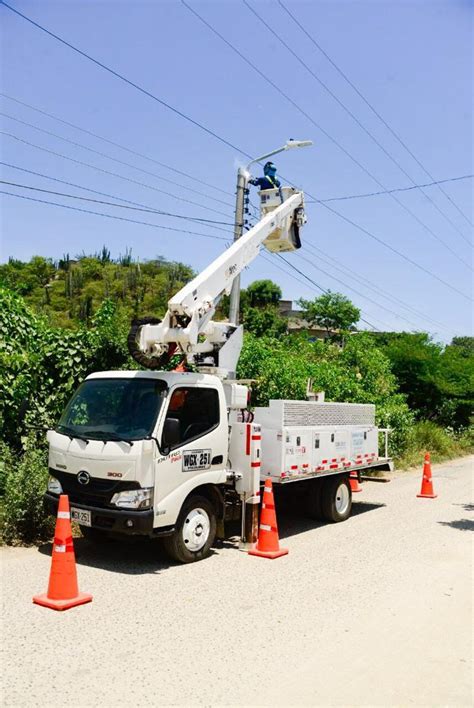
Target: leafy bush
(359, 373)
(25, 478)
(426, 436)
(45, 364)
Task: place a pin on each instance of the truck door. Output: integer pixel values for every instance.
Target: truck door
(196, 427)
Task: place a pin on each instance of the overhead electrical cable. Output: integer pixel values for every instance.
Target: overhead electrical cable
(388, 191)
(112, 216)
(355, 225)
(348, 272)
(122, 147)
(374, 110)
(294, 277)
(145, 207)
(319, 127)
(121, 206)
(349, 287)
(114, 159)
(316, 285)
(127, 81)
(109, 172)
(350, 113)
(395, 250)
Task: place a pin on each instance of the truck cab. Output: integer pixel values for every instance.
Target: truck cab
(133, 446)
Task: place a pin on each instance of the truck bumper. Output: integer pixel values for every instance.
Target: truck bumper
(118, 520)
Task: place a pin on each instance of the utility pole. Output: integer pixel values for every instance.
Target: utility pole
(243, 176)
(242, 182)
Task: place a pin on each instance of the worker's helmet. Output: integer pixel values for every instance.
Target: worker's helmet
(269, 169)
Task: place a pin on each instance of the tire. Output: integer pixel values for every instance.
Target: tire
(336, 499)
(94, 535)
(195, 531)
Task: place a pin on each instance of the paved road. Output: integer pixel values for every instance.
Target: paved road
(374, 611)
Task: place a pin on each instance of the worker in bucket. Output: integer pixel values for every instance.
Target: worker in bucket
(269, 180)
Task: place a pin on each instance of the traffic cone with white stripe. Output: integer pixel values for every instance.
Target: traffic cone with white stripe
(427, 490)
(268, 545)
(63, 591)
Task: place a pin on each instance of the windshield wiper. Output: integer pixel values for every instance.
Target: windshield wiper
(110, 437)
(71, 433)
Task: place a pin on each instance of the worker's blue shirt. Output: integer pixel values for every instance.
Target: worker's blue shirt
(266, 182)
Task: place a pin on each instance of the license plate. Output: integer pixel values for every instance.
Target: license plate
(81, 516)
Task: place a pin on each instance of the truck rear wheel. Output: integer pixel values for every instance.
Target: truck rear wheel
(336, 499)
(195, 531)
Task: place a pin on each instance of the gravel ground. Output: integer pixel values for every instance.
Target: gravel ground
(374, 611)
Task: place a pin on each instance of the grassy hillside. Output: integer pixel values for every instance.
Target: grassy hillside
(70, 291)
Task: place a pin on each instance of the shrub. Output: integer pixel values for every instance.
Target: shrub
(441, 443)
(25, 479)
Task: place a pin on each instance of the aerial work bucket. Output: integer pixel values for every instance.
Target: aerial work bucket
(286, 237)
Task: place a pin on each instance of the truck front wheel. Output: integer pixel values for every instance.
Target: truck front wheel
(336, 499)
(195, 531)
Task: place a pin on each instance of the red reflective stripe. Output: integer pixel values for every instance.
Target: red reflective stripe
(334, 459)
(305, 465)
(347, 464)
(333, 467)
(256, 437)
(294, 467)
(255, 464)
(324, 462)
(247, 440)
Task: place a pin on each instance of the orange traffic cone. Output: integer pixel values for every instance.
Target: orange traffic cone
(354, 482)
(427, 482)
(267, 544)
(63, 592)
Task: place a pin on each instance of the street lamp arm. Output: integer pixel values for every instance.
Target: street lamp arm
(289, 144)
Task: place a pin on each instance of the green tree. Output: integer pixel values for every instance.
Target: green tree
(263, 292)
(331, 311)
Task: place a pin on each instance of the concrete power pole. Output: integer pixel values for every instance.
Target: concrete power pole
(242, 182)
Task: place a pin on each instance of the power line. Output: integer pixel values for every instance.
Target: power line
(127, 81)
(385, 123)
(349, 112)
(145, 207)
(122, 147)
(360, 228)
(317, 125)
(294, 277)
(389, 191)
(113, 216)
(115, 159)
(318, 286)
(121, 206)
(371, 286)
(394, 250)
(107, 172)
(349, 287)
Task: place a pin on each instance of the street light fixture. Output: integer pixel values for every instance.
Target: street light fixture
(243, 176)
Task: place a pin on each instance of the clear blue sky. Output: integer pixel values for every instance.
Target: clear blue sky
(411, 60)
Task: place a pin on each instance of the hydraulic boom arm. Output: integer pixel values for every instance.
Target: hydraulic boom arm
(187, 325)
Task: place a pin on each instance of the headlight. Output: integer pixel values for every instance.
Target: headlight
(54, 485)
(134, 498)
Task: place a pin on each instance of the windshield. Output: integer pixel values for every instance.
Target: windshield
(113, 409)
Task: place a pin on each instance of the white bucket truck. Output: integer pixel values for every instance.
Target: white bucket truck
(176, 454)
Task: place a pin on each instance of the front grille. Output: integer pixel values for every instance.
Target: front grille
(98, 492)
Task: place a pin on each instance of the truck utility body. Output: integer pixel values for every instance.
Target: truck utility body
(177, 454)
(303, 439)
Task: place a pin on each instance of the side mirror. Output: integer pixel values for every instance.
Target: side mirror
(171, 433)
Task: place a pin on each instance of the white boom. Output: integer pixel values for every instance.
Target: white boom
(188, 323)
